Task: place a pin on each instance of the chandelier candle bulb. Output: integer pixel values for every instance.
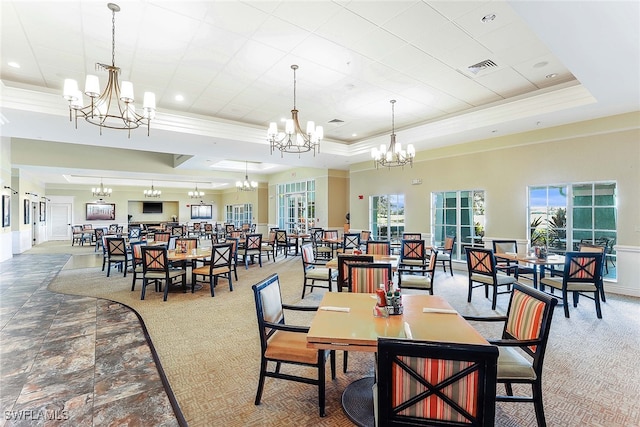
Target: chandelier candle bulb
(92, 86)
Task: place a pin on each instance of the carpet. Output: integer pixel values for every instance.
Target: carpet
(209, 350)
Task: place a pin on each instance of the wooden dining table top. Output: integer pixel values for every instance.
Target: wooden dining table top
(359, 330)
(549, 260)
(190, 254)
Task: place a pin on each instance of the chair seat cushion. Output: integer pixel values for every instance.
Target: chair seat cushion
(249, 252)
(204, 270)
(324, 249)
(290, 346)
(318, 273)
(412, 262)
(556, 282)
(161, 275)
(117, 258)
(513, 365)
(443, 256)
(416, 281)
(503, 279)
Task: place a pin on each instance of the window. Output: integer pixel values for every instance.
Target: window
(562, 216)
(296, 206)
(458, 214)
(239, 214)
(386, 217)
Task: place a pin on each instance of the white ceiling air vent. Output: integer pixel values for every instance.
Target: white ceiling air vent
(336, 121)
(481, 66)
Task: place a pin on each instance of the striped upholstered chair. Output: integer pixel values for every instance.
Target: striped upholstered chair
(523, 344)
(435, 384)
(367, 277)
(378, 247)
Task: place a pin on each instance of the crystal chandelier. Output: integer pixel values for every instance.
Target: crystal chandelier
(246, 185)
(101, 191)
(113, 108)
(152, 192)
(196, 194)
(293, 139)
(394, 155)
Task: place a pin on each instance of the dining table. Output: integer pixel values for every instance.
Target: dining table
(345, 321)
(535, 263)
(297, 237)
(190, 256)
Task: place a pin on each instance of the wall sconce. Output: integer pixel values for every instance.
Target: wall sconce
(12, 190)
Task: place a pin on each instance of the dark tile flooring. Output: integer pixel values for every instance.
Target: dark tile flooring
(72, 361)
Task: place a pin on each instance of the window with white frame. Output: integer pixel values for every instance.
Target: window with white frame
(563, 216)
(239, 214)
(386, 217)
(458, 214)
(296, 206)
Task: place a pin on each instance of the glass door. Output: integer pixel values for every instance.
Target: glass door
(295, 213)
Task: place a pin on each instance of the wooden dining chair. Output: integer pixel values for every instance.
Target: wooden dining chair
(504, 247)
(285, 344)
(344, 260)
(117, 254)
(218, 266)
(592, 247)
(378, 247)
(445, 253)
(523, 344)
(411, 236)
(582, 276)
(252, 249)
(367, 277)
(315, 271)
(350, 241)
(416, 271)
(156, 270)
(481, 265)
(423, 383)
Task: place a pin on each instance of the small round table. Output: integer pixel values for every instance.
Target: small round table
(357, 402)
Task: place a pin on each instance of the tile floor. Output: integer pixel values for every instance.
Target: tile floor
(72, 361)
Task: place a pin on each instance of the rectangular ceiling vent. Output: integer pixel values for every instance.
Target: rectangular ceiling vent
(481, 66)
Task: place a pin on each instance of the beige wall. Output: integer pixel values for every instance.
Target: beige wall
(505, 173)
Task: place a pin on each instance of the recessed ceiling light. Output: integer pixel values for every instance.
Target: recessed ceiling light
(488, 18)
(354, 134)
(179, 98)
(540, 64)
(14, 64)
(550, 76)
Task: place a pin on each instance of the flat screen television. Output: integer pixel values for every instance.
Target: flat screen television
(151, 207)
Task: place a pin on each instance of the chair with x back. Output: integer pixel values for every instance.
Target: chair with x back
(155, 269)
(523, 344)
(582, 276)
(414, 273)
(117, 254)
(350, 241)
(482, 270)
(219, 266)
(589, 247)
(423, 383)
(286, 344)
(252, 249)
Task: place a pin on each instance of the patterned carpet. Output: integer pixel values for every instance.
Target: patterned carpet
(209, 350)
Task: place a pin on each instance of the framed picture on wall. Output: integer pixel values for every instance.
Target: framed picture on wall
(43, 211)
(101, 211)
(201, 211)
(27, 211)
(6, 211)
